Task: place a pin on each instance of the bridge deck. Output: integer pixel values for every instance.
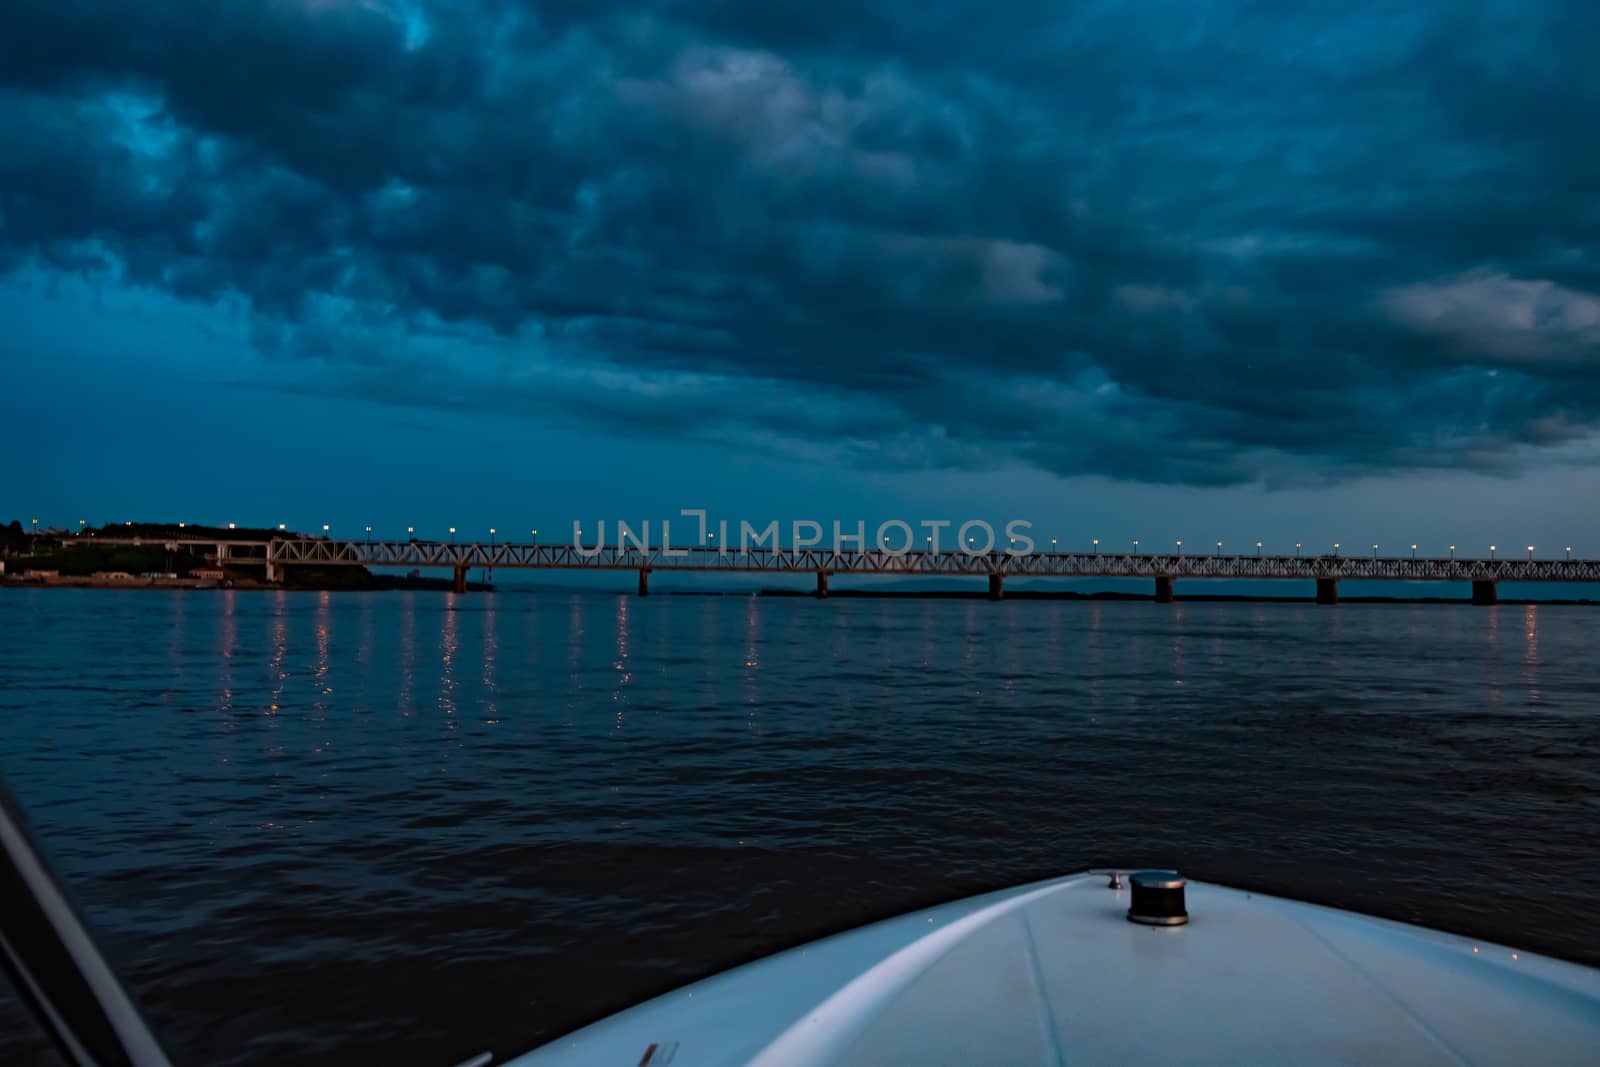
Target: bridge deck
(874, 561)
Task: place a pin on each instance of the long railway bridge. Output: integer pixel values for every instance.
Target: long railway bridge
(995, 566)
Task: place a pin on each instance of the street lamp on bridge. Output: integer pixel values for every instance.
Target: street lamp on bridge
(324, 529)
(1097, 546)
(1452, 551)
(1135, 546)
(281, 525)
(1374, 551)
(1413, 551)
(1336, 550)
(1180, 548)
(369, 535)
(1219, 548)
(1530, 551)
(1569, 551)
(1491, 552)
(1258, 550)
(452, 535)
(535, 534)
(1297, 550)
(81, 525)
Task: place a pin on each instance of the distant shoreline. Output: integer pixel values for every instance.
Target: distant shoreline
(383, 583)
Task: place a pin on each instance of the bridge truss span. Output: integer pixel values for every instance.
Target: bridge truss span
(515, 555)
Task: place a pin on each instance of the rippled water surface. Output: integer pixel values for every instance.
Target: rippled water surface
(409, 826)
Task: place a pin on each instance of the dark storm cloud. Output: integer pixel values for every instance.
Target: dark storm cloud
(1207, 243)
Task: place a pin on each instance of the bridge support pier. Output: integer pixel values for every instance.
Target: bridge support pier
(1485, 593)
(461, 581)
(644, 582)
(997, 586)
(1327, 590)
(822, 585)
(274, 572)
(1163, 589)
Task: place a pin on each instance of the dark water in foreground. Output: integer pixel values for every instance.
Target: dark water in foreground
(339, 828)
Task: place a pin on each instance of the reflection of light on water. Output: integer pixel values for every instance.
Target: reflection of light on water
(175, 649)
(1530, 657)
(752, 634)
(575, 703)
(408, 651)
(227, 635)
(752, 659)
(1177, 644)
(1495, 692)
(280, 650)
(491, 648)
(928, 632)
(449, 643)
(324, 626)
(1096, 646)
(971, 646)
(574, 635)
(364, 652)
(620, 663)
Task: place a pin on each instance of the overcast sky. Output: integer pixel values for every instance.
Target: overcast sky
(1128, 268)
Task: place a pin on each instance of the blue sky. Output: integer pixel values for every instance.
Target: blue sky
(1198, 270)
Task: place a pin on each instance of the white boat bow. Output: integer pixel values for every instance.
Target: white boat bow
(1055, 974)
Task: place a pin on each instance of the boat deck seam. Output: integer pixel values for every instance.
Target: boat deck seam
(1047, 1017)
(1416, 1020)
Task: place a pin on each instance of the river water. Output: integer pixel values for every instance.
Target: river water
(407, 827)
